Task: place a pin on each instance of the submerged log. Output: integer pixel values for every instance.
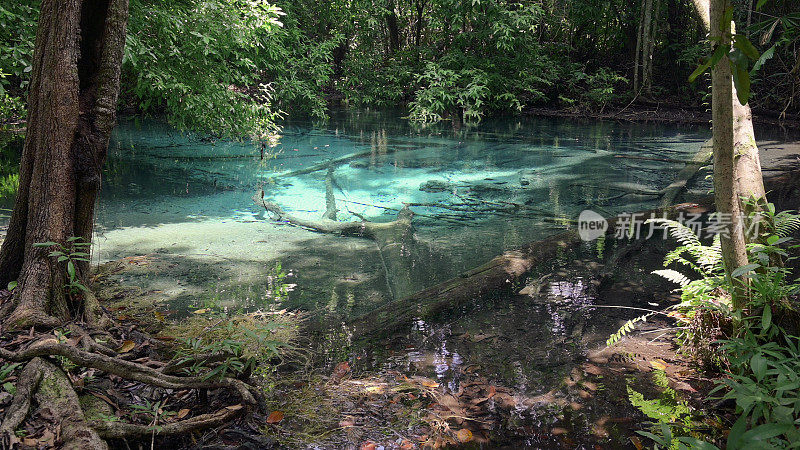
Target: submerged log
(500, 276)
(701, 158)
(394, 240)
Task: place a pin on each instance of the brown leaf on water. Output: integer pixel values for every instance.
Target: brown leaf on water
(430, 383)
(182, 413)
(464, 435)
(126, 347)
(275, 417)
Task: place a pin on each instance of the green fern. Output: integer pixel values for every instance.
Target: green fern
(786, 224)
(674, 276)
(625, 329)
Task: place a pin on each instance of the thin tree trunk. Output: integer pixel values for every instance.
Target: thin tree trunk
(734, 250)
(646, 25)
(748, 179)
(393, 28)
(71, 104)
(647, 78)
(637, 56)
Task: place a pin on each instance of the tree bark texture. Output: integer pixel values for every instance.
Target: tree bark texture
(747, 172)
(71, 112)
(734, 252)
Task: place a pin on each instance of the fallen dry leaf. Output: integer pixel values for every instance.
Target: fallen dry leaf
(368, 446)
(200, 311)
(275, 417)
(182, 413)
(234, 407)
(637, 442)
(126, 347)
(464, 435)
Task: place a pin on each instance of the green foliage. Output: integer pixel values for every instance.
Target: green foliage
(625, 329)
(71, 252)
(762, 357)
(5, 370)
(667, 408)
(17, 34)
(246, 344)
(9, 184)
(591, 90)
(738, 50)
(202, 63)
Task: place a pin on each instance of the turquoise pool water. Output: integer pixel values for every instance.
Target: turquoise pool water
(475, 193)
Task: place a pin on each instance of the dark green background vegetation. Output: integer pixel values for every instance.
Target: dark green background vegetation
(229, 67)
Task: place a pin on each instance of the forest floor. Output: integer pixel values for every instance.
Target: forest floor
(656, 112)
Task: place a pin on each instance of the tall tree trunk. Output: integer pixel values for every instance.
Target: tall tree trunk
(747, 174)
(637, 57)
(726, 196)
(647, 21)
(71, 108)
(647, 77)
(393, 28)
(420, 4)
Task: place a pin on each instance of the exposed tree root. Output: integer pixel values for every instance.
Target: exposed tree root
(119, 430)
(47, 386)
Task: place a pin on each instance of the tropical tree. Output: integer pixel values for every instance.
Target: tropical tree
(72, 102)
(737, 166)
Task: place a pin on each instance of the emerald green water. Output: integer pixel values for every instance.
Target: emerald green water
(475, 193)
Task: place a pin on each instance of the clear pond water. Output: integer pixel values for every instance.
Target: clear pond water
(179, 209)
(475, 193)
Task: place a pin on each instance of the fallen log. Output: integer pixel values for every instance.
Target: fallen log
(497, 277)
(394, 240)
(701, 158)
(504, 273)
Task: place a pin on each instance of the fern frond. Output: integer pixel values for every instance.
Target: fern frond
(786, 223)
(683, 234)
(626, 328)
(674, 276)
